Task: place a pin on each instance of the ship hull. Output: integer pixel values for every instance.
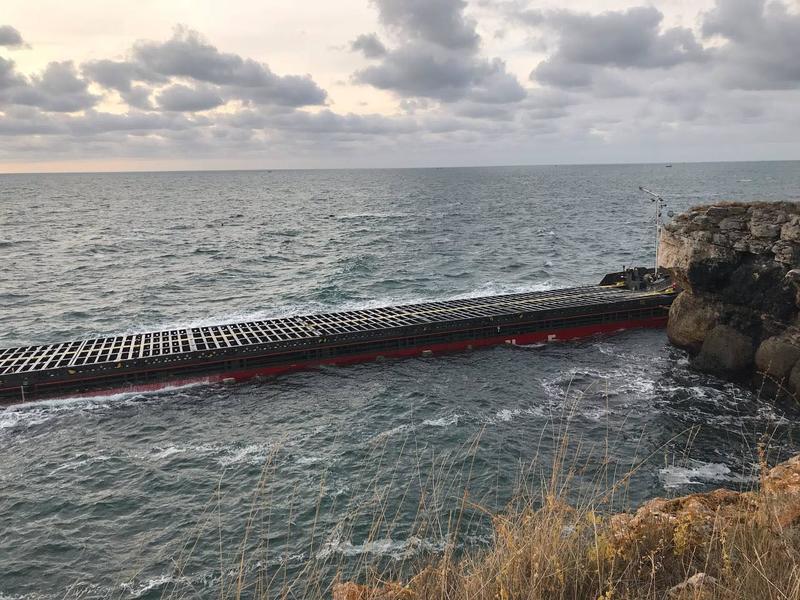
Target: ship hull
(221, 372)
(232, 352)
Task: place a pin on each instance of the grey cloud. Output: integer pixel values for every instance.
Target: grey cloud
(562, 74)
(10, 37)
(138, 96)
(186, 54)
(456, 105)
(440, 22)
(437, 57)
(762, 43)
(179, 97)
(630, 39)
(369, 45)
(58, 89)
(417, 71)
(328, 122)
(9, 78)
(94, 123)
(118, 75)
(483, 111)
(32, 121)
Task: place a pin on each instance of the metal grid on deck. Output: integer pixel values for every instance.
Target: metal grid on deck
(292, 329)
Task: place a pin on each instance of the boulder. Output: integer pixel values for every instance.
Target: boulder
(738, 223)
(768, 231)
(690, 320)
(777, 357)
(787, 253)
(794, 380)
(790, 231)
(726, 351)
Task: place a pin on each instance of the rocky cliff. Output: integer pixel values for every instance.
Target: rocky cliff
(739, 268)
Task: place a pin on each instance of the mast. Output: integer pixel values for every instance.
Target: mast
(660, 203)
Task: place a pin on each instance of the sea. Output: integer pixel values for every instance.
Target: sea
(283, 485)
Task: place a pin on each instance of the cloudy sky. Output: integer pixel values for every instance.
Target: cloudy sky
(195, 84)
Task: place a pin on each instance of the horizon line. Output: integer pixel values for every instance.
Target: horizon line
(499, 166)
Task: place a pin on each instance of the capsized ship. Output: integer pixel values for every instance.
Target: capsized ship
(630, 299)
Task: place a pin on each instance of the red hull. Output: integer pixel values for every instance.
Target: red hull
(442, 348)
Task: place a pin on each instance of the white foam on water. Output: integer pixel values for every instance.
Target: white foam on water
(77, 464)
(390, 432)
(395, 549)
(698, 473)
(252, 454)
(507, 415)
(224, 454)
(137, 591)
(162, 453)
(41, 411)
(442, 421)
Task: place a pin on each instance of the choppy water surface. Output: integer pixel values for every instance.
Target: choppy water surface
(144, 496)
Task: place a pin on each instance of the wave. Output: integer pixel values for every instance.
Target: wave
(699, 473)
(225, 455)
(30, 414)
(442, 421)
(384, 547)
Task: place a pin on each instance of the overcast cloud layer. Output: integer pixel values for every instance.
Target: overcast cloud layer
(621, 85)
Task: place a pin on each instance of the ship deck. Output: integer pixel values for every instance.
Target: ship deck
(299, 330)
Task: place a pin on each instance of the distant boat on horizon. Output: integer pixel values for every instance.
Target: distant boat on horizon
(668, 166)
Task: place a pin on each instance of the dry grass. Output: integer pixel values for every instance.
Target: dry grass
(558, 539)
(559, 552)
(729, 545)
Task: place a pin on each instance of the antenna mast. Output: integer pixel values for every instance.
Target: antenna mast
(660, 203)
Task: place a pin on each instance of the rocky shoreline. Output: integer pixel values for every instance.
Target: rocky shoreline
(738, 265)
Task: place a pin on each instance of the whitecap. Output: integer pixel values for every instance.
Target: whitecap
(507, 415)
(41, 411)
(77, 464)
(698, 473)
(253, 454)
(390, 432)
(395, 549)
(442, 421)
(137, 591)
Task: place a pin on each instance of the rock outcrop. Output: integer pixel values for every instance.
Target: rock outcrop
(739, 268)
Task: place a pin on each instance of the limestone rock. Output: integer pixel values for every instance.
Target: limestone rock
(787, 252)
(726, 351)
(794, 380)
(777, 356)
(353, 591)
(695, 265)
(793, 276)
(741, 264)
(733, 223)
(780, 491)
(790, 232)
(768, 231)
(698, 587)
(690, 320)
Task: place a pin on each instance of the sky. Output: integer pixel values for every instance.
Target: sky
(92, 85)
